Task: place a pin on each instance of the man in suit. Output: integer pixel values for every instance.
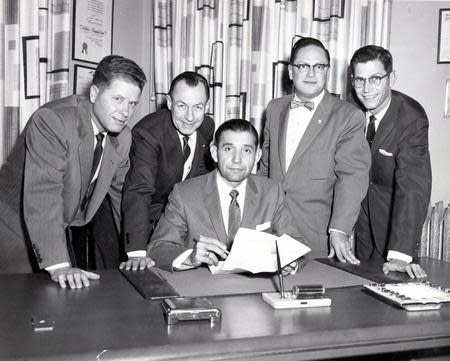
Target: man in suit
(72, 152)
(314, 146)
(168, 146)
(204, 213)
(392, 214)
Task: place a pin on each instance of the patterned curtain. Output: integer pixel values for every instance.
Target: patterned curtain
(34, 61)
(243, 46)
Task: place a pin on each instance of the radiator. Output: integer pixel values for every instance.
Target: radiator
(435, 240)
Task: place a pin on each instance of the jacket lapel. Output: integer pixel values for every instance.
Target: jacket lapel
(386, 125)
(212, 202)
(250, 209)
(284, 115)
(85, 150)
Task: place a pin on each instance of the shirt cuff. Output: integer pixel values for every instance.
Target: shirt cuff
(57, 266)
(399, 255)
(140, 253)
(177, 263)
(336, 230)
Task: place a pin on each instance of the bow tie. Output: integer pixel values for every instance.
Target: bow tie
(297, 103)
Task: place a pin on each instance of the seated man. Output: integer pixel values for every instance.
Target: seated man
(204, 213)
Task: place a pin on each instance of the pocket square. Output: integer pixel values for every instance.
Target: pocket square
(263, 226)
(387, 154)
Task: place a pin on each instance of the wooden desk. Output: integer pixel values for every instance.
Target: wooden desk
(110, 315)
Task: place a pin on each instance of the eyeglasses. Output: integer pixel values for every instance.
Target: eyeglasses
(374, 80)
(304, 68)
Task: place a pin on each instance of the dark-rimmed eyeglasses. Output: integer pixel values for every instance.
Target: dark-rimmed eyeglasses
(304, 68)
(374, 80)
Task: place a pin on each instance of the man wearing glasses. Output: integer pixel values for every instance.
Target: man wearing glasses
(392, 214)
(314, 146)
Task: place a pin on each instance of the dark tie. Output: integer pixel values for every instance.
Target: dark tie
(98, 150)
(234, 218)
(370, 134)
(186, 147)
(297, 103)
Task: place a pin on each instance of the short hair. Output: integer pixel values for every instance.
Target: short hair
(303, 43)
(371, 53)
(192, 79)
(238, 126)
(117, 67)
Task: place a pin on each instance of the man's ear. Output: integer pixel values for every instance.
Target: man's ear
(392, 78)
(290, 72)
(213, 150)
(169, 102)
(93, 92)
(258, 155)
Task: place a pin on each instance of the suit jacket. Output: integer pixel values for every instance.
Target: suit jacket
(194, 208)
(400, 178)
(328, 175)
(51, 164)
(156, 164)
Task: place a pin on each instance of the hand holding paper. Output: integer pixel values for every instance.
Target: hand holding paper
(254, 251)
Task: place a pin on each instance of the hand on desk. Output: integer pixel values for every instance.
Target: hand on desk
(75, 277)
(414, 270)
(206, 250)
(292, 268)
(135, 263)
(341, 247)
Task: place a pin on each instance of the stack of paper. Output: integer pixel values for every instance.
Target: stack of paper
(254, 252)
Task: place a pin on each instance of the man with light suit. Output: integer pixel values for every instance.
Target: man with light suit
(71, 154)
(204, 213)
(314, 147)
(390, 223)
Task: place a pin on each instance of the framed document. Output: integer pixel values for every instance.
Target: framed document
(82, 79)
(92, 29)
(447, 99)
(444, 36)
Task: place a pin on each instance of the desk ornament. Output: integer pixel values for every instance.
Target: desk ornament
(190, 309)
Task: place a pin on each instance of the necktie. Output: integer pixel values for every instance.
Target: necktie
(296, 104)
(186, 147)
(234, 218)
(98, 150)
(371, 129)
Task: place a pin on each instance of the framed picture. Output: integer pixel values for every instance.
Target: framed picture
(444, 36)
(447, 99)
(82, 79)
(92, 29)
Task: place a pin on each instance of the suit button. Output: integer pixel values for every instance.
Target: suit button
(40, 260)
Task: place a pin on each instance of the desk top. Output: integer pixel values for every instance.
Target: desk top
(110, 318)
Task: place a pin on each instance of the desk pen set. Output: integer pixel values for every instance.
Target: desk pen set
(301, 296)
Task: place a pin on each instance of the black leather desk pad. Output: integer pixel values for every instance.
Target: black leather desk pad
(149, 284)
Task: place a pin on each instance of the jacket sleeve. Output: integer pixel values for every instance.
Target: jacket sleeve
(45, 163)
(264, 163)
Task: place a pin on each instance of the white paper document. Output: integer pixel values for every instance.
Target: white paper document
(254, 252)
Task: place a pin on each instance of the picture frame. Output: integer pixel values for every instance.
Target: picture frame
(82, 79)
(447, 99)
(443, 55)
(92, 30)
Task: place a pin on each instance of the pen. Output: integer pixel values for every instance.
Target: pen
(280, 274)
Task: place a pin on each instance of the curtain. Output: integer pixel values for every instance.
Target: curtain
(243, 46)
(34, 61)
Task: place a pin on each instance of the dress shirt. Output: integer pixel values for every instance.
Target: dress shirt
(225, 199)
(379, 116)
(96, 131)
(192, 143)
(298, 121)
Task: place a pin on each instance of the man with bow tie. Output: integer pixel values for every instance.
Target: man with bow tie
(314, 145)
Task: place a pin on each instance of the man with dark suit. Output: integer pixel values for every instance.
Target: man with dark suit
(203, 214)
(392, 214)
(71, 154)
(314, 146)
(168, 146)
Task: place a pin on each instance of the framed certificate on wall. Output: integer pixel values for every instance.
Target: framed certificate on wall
(92, 29)
(444, 36)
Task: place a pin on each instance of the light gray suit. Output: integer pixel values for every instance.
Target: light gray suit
(194, 208)
(328, 175)
(51, 164)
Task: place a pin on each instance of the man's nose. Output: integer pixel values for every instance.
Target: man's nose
(237, 157)
(366, 86)
(189, 114)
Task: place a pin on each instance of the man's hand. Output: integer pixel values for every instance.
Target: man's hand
(135, 263)
(341, 247)
(75, 277)
(293, 267)
(207, 250)
(414, 270)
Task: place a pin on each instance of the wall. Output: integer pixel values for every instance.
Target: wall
(413, 45)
